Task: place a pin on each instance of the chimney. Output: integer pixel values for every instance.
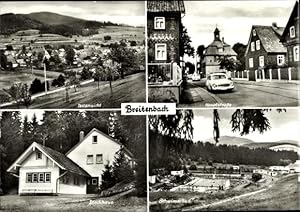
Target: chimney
(81, 136)
(223, 40)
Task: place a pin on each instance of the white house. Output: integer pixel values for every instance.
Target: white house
(92, 152)
(41, 169)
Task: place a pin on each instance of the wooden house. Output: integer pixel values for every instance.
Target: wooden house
(291, 39)
(164, 30)
(41, 169)
(264, 51)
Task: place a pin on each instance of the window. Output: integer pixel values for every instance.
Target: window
(292, 31)
(252, 46)
(34, 177)
(95, 139)
(220, 49)
(253, 32)
(99, 158)
(296, 53)
(90, 159)
(258, 45)
(160, 51)
(280, 60)
(38, 155)
(261, 61)
(250, 62)
(28, 177)
(76, 180)
(47, 177)
(159, 23)
(94, 181)
(41, 177)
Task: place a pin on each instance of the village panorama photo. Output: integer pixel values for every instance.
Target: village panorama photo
(224, 160)
(72, 161)
(73, 54)
(223, 53)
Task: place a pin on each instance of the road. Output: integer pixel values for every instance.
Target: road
(249, 94)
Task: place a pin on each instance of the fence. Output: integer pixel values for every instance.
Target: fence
(288, 73)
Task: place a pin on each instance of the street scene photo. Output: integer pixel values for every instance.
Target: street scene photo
(72, 161)
(231, 54)
(224, 160)
(71, 54)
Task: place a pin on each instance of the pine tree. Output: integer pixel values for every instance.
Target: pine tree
(107, 177)
(27, 132)
(122, 171)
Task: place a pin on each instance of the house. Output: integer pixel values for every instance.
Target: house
(92, 152)
(41, 169)
(291, 39)
(164, 31)
(216, 50)
(265, 51)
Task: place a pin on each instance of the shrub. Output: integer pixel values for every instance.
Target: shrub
(107, 37)
(36, 86)
(193, 167)
(60, 81)
(86, 74)
(256, 177)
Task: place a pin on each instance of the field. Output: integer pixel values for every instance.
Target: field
(130, 89)
(71, 203)
(278, 194)
(7, 78)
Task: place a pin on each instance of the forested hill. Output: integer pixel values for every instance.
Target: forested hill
(48, 22)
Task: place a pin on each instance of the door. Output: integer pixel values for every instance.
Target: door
(92, 185)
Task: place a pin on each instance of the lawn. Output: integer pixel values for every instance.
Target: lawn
(7, 78)
(130, 89)
(71, 203)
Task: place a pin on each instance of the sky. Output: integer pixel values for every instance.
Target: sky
(233, 18)
(284, 126)
(125, 12)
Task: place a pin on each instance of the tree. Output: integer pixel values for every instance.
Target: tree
(19, 93)
(200, 51)
(240, 49)
(122, 172)
(86, 73)
(227, 63)
(26, 132)
(124, 56)
(99, 75)
(107, 38)
(69, 55)
(185, 43)
(111, 72)
(36, 86)
(74, 81)
(108, 180)
(191, 67)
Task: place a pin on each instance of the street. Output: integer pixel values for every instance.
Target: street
(245, 93)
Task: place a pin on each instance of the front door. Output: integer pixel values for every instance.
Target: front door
(92, 185)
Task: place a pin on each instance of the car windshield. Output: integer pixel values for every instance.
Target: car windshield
(217, 77)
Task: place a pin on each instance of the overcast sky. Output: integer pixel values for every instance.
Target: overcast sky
(126, 12)
(233, 18)
(284, 126)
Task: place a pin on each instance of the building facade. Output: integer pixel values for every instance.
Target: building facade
(164, 29)
(264, 52)
(41, 169)
(216, 50)
(291, 39)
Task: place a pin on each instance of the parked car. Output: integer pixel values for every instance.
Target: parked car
(196, 77)
(218, 81)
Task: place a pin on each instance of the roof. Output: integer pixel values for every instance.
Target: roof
(64, 161)
(58, 158)
(270, 38)
(103, 134)
(165, 6)
(294, 13)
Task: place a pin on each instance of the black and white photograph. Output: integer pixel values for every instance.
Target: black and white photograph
(72, 161)
(224, 159)
(223, 53)
(72, 54)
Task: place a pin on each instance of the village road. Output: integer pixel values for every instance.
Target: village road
(245, 94)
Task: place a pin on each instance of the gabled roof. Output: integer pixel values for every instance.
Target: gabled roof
(165, 6)
(103, 134)
(57, 157)
(294, 13)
